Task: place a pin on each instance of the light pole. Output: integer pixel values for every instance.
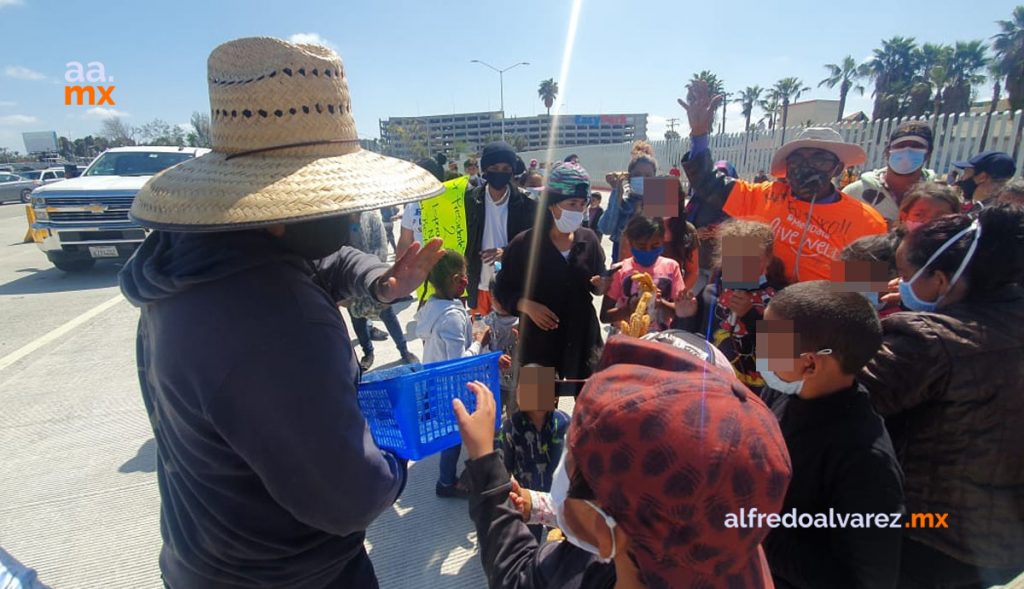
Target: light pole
(501, 81)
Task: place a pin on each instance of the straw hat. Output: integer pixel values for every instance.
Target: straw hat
(285, 148)
(819, 138)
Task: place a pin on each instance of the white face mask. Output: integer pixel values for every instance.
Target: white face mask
(559, 493)
(783, 386)
(569, 221)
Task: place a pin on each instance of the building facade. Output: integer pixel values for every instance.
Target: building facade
(457, 134)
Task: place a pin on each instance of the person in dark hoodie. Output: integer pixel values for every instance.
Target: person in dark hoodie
(267, 471)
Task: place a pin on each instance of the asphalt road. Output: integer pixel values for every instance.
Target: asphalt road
(78, 493)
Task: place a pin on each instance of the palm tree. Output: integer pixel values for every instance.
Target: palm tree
(770, 104)
(547, 91)
(997, 85)
(966, 68)
(892, 68)
(789, 89)
(749, 98)
(671, 135)
(1008, 46)
(845, 75)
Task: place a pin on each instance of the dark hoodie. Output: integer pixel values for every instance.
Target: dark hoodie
(268, 474)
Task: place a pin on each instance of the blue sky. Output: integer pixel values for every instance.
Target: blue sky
(412, 57)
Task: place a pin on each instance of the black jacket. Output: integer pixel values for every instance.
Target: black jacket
(521, 211)
(509, 552)
(267, 471)
(842, 460)
(564, 287)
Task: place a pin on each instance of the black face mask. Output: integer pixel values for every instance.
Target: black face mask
(318, 238)
(498, 180)
(807, 182)
(968, 187)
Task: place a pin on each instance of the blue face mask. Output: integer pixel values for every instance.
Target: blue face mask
(872, 297)
(646, 258)
(636, 184)
(907, 160)
(909, 297)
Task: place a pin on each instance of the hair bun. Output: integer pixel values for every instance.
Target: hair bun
(641, 147)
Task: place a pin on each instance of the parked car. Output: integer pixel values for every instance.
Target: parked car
(15, 188)
(86, 218)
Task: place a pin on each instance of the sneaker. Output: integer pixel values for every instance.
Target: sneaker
(366, 362)
(456, 491)
(410, 358)
(378, 335)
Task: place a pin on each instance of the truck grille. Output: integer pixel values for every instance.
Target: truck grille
(114, 209)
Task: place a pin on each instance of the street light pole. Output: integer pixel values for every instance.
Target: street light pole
(501, 83)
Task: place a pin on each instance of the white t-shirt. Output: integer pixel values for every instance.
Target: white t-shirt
(412, 220)
(495, 232)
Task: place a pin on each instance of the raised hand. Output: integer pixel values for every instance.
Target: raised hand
(477, 428)
(700, 107)
(409, 270)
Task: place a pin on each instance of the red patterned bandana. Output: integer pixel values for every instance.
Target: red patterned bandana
(670, 446)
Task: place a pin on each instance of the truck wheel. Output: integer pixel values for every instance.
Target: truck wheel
(71, 264)
(26, 195)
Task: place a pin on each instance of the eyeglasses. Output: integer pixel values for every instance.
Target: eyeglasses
(820, 161)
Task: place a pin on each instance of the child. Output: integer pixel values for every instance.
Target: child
(594, 213)
(503, 338)
(443, 324)
(880, 250)
(813, 342)
(926, 202)
(745, 279)
(532, 441)
(646, 238)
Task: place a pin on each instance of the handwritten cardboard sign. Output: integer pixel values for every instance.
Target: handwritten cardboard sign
(444, 216)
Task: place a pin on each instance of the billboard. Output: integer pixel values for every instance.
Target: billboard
(40, 142)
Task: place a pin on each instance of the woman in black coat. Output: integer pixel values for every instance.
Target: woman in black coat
(549, 275)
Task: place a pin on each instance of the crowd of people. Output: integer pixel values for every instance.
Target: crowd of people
(780, 347)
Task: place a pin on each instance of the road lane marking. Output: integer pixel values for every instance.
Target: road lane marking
(57, 333)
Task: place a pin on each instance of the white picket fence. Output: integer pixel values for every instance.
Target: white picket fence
(957, 138)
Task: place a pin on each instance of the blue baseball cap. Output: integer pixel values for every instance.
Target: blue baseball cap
(995, 163)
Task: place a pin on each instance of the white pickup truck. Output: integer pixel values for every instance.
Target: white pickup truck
(86, 218)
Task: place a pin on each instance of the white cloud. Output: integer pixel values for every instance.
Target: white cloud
(8, 103)
(17, 120)
(309, 39)
(22, 73)
(99, 112)
(6, 3)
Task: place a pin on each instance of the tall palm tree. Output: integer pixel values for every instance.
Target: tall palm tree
(966, 70)
(789, 89)
(770, 104)
(892, 68)
(749, 98)
(845, 75)
(1008, 46)
(547, 92)
(995, 72)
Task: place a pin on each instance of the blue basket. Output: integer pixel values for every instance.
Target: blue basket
(409, 408)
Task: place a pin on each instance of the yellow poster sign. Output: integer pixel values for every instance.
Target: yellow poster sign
(444, 216)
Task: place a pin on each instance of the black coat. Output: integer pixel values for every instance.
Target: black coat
(521, 211)
(510, 554)
(843, 460)
(564, 287)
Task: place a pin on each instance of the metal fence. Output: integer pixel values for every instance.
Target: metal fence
(957, 137)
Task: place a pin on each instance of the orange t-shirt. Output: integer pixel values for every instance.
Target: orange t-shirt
(832, 227)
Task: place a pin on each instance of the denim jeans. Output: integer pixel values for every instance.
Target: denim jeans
(449, 465)
(362, 328)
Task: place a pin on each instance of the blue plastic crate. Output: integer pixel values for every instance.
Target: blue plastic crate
(409, 408)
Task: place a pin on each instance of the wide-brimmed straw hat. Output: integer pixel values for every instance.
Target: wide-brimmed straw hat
(850, 154)
(285, 148)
